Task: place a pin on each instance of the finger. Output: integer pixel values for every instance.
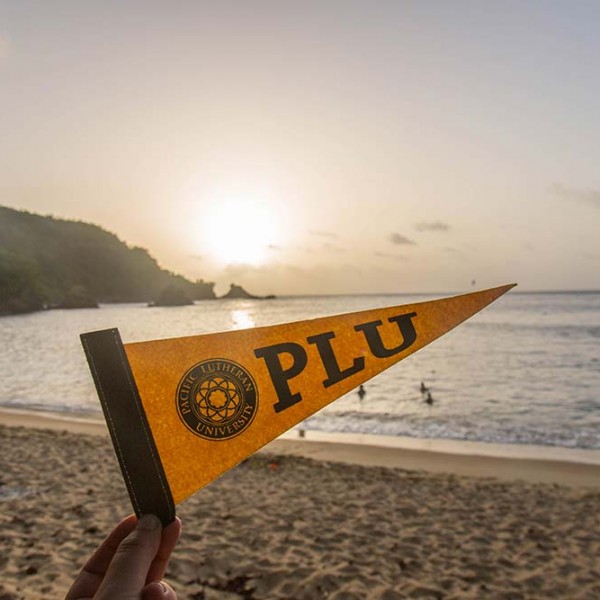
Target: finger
(158, 590)
(170, 535)
(126, 575)
(89, 579)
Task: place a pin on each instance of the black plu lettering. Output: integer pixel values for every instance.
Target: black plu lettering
(335, 374)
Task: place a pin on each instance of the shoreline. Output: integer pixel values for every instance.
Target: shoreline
(533, 464)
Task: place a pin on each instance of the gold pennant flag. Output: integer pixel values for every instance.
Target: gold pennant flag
(183, 411)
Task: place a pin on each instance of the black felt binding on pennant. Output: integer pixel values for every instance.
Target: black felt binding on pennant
(131, 436)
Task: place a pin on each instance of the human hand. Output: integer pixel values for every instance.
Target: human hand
(130, 563)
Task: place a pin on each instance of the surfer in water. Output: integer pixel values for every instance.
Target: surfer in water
(424, 388)
(361, 391)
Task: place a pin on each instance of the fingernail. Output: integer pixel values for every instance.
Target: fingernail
(149, 522)
(163, 586)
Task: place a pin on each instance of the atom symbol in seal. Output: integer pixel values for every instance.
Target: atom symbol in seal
(217, 399)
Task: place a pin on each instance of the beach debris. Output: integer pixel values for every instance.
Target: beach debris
(10, 493)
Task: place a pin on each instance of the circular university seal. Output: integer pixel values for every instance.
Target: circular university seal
(217, 399)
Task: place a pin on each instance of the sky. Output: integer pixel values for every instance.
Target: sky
(315, 147)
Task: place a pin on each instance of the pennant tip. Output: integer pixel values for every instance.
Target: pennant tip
(495, 293)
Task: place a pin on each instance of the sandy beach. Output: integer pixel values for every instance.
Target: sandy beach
(290, 523)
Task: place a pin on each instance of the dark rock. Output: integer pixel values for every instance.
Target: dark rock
(172, 296)
(238, 292)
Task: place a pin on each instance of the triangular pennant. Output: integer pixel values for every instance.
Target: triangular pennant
(183, 411)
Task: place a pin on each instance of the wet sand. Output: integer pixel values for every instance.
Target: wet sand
(283, 525)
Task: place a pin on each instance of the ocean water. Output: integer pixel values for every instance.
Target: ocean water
(524, 370)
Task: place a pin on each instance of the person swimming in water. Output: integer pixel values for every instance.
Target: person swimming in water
(424, 388)
(361, 391)
(429, 398)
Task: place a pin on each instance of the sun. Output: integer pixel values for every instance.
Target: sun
(238, 231)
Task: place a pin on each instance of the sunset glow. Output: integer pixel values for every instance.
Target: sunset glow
(314, 148)
(237, 231)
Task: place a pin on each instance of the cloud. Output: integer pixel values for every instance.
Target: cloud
(432, 226)
(589, 196)
(399, 239)
(389, 255)
(284, 278)
(327, 234)
(329, 247)
(239, 270)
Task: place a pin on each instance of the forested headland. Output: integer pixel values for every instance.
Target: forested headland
(47, 262)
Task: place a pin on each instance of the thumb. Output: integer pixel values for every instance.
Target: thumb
(158, 590)
(126, 575)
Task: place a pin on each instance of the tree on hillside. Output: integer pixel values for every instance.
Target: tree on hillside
(49, 261)
(20, 285)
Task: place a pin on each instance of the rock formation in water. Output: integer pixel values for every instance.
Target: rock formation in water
(237, 291)
(172, 296)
